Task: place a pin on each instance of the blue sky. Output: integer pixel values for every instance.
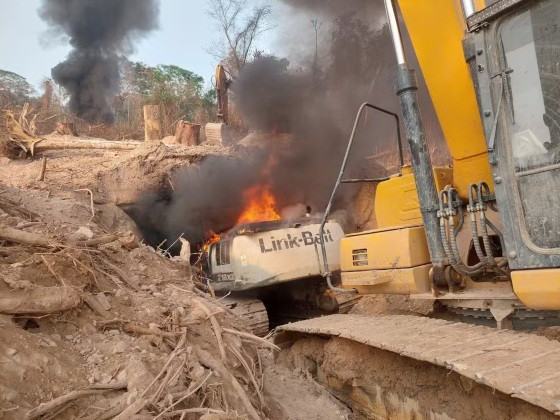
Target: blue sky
(185, 33)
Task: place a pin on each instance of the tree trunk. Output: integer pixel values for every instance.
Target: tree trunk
(38, 300)
(153, 123)
(58, 143)
(187, 133)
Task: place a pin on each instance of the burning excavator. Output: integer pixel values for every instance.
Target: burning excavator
(269, 265)
(481, 238)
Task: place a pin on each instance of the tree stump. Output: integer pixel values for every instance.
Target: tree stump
(153, 123)
(187, 133)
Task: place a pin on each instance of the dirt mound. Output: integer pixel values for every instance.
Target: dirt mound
(96, 325)
(114, 176)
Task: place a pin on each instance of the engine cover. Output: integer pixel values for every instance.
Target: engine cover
(268, 253)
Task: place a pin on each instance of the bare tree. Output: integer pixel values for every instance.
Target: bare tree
(240, 28)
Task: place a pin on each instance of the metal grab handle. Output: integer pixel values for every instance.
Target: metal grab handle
(327, 273)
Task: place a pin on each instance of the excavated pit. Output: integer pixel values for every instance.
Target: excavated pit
(121, 330)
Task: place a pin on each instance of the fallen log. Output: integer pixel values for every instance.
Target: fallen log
(19, 135)
(76, 144)
(26, 238)
(38, 300)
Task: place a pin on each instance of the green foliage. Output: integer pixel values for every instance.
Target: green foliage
(179, 90)
(14, 89)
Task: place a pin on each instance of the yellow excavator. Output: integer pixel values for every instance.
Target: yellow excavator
(481, 237)
(216, 133)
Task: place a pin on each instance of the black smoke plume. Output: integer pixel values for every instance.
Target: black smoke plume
(99, 31)
(301, 115)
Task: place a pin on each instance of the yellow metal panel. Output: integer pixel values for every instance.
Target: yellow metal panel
(402, 281)
(479, 4)
(436, 28)
(386, 249)
(538, 289)
(396, 200)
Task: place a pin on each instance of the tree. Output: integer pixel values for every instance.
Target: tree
(180, 91)
(239, 30)
(14, 89)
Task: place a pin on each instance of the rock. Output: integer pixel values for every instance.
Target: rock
(121, 377)
(82, 234)
(129, 240)
(50, 343)
(11, 351)
(119, 348)
(102, 299)
(69, 337)
(88, 329)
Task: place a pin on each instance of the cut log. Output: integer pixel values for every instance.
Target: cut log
(153, 123)
(187, 133)
(38, 300)
(66, 129)
(22, 237)
(58, 143)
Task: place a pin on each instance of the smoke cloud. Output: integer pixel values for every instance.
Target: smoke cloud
(99, 31)
(301, 114)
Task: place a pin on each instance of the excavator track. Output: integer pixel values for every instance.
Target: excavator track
(519, 365)
(251, 311)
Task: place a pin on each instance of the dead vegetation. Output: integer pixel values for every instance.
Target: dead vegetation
(97, 325)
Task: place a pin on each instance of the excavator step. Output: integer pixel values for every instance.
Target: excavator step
(522, 365)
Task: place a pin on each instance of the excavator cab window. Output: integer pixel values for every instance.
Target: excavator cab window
(530, 43)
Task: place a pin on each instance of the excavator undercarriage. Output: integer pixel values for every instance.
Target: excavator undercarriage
(480, 238)
(414, 367)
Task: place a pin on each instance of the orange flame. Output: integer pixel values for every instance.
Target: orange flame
(214, 237)
(261, 205)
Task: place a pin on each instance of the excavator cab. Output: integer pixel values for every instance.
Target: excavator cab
(483, 234)
(516, 52)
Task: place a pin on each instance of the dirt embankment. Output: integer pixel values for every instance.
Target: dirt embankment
(113, 176)
(94, 324)
(384, 385)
